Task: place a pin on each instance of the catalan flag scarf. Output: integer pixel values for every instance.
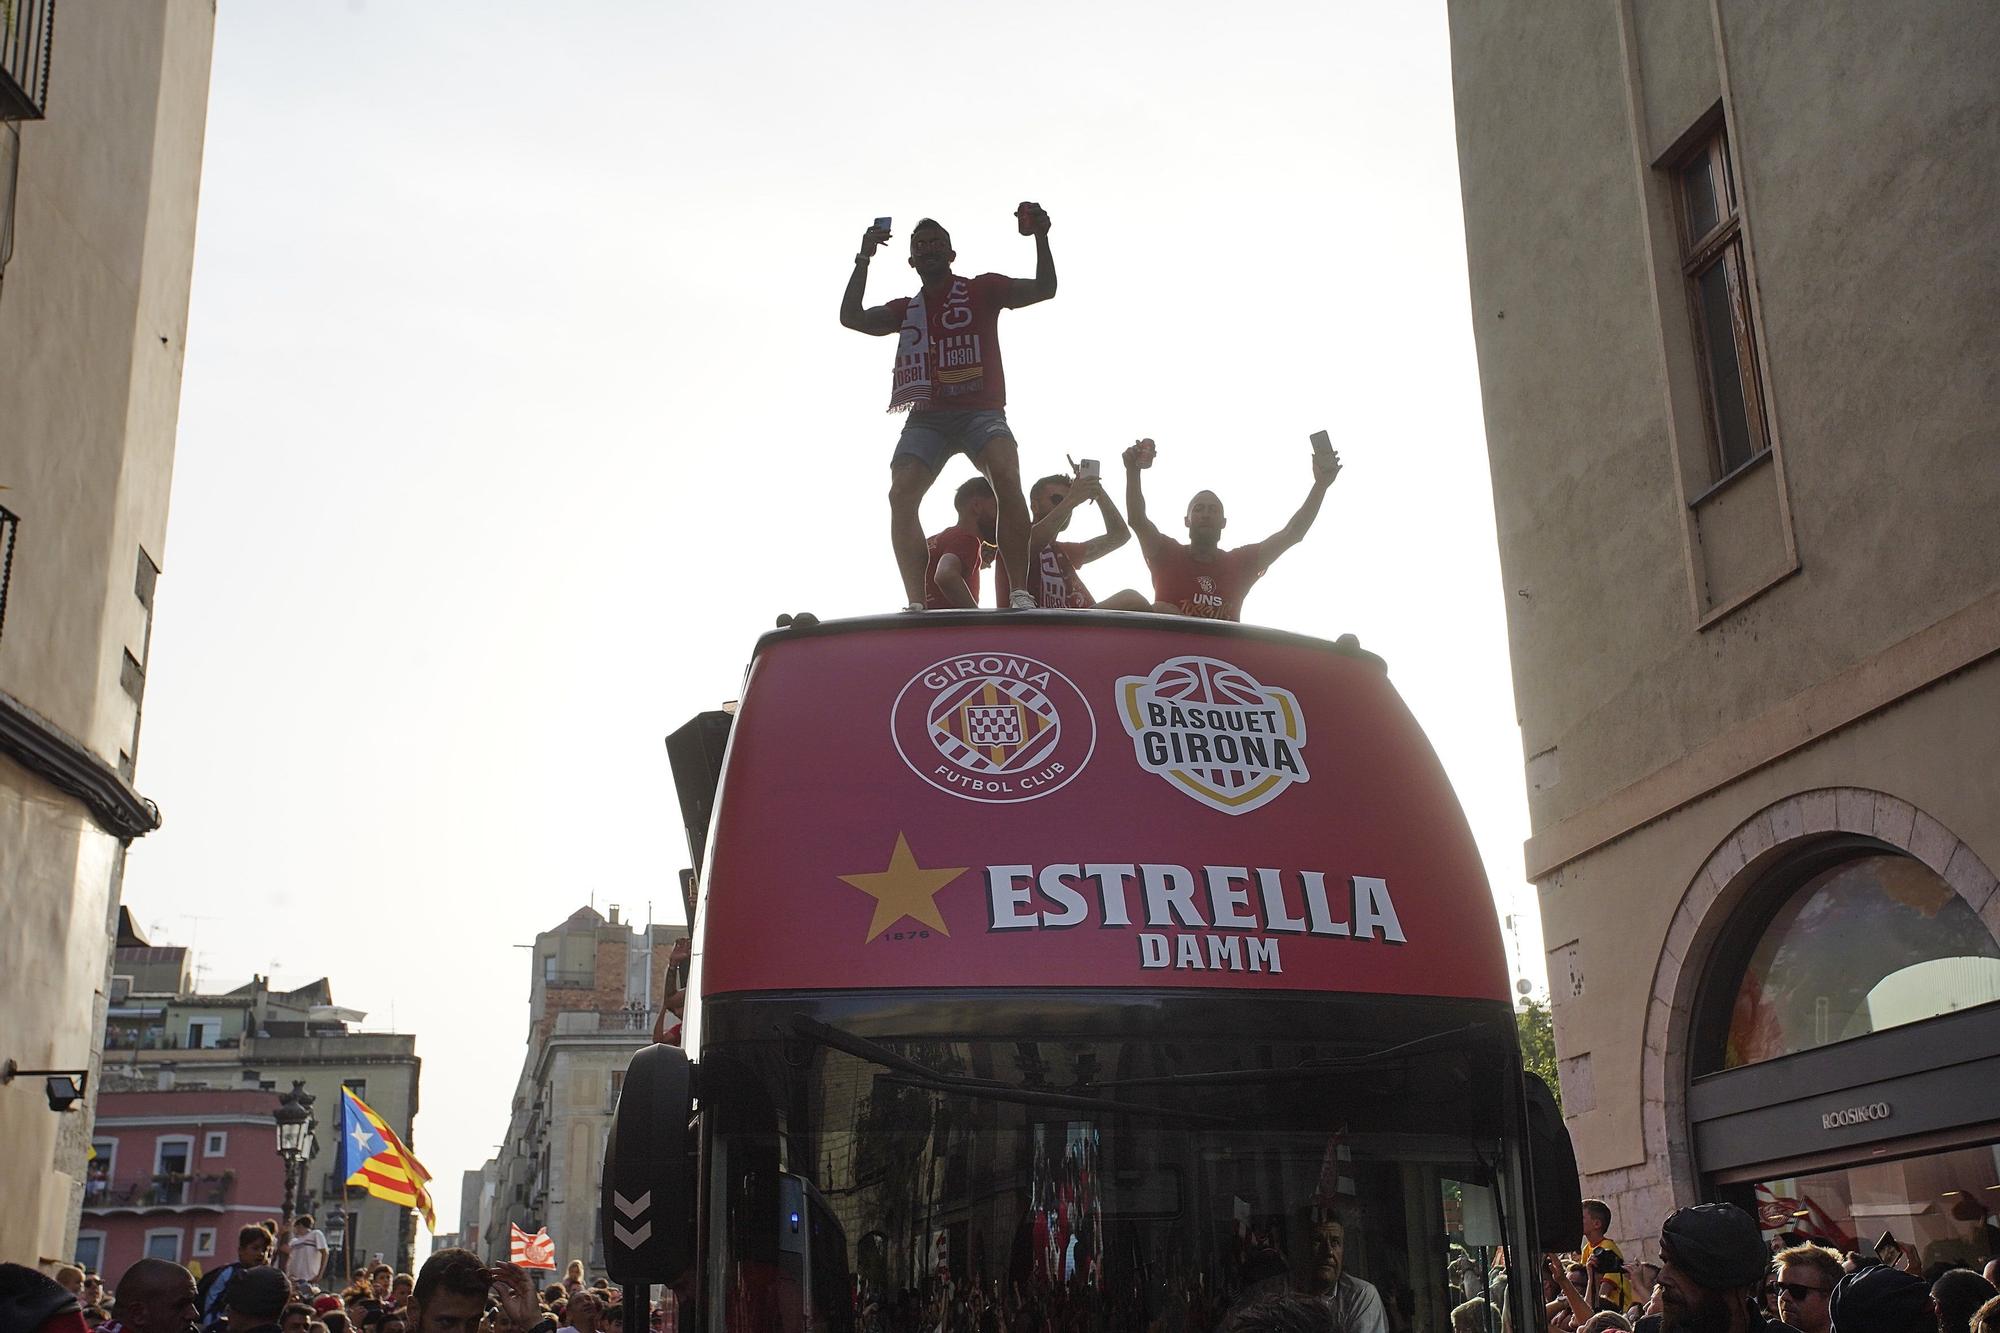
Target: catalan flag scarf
(911, 386)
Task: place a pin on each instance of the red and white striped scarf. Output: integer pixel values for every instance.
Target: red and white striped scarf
(911, 386)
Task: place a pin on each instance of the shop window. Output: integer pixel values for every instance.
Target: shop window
(1862, 940)
(1940, 1208)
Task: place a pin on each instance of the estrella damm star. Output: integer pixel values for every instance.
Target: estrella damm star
(904, 889)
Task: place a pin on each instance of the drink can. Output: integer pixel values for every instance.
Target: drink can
(1024, 217)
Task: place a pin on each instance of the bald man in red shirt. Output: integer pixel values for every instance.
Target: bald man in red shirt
(1199, 578)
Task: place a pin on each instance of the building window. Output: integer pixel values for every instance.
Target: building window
(1862, 939)
(90, 1251)
(1719, 303)
(215, 1144)
(164, 1245)
(202, 1033)
(98, 1172)
(204, 1242)
(357, 1086)
(173, 1156)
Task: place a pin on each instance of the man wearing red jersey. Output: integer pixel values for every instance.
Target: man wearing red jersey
(948, 378)
(1200, 578)
(953, 557)
(1055, 583)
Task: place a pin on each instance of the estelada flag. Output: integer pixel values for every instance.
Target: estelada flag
(536, 1251)
(376, 1160)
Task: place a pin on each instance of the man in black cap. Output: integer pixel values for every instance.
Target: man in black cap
(1712, 1258)
(256, 1299)
(1882, 1299)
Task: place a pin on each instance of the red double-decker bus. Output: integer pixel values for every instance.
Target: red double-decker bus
(1084, 970)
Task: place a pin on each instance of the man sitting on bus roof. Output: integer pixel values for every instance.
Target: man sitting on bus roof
(954, 556)
(1053, 501)
(1199, 578)
(1356, 1305)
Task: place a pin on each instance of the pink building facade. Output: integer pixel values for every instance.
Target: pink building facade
(175, 1174)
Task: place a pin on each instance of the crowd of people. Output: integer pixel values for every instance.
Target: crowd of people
(1718, 1274)
(948, 378)
(270, 1288)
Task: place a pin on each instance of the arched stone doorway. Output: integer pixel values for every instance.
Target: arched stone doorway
(1756, 904)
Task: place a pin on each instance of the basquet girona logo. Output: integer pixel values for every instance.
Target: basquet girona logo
(1212, 730)
(994, 727)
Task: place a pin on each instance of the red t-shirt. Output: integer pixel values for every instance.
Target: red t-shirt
(965, 343)
(962, 542)
(1213, 591)
(1056, 584)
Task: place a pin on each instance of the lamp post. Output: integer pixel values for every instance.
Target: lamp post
(294, 1121)
(336, 1241)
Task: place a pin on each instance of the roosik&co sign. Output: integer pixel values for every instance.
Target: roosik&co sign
(1855, 1115)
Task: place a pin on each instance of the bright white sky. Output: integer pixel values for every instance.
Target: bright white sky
(515, 408)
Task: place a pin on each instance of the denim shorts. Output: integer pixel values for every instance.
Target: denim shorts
(933, 437)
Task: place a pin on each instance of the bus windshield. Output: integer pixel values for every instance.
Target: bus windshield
(1021, 1181)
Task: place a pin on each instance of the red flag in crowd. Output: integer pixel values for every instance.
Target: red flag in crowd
(536, 1251)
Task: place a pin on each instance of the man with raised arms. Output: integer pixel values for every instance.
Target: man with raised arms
(1198, 577)
(1054, 581)
(948, 378)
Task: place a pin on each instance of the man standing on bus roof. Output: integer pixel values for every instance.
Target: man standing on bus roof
(1199, 578)
(1356, 1305)
(1055, 583)
(952, 558)
(948, 378)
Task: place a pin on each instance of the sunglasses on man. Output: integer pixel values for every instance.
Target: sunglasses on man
(1798, 1291)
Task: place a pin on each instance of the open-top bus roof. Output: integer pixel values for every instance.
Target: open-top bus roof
(1025, 799)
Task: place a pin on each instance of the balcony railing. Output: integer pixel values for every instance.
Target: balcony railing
(169, 1190)
(27, 28)
(154, 1041)
(577, 1021)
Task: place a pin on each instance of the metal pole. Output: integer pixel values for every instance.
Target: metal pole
(638, 1307)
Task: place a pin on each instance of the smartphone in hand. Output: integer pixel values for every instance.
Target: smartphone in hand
(1087, 470)
(1322, 442)
(882, 224)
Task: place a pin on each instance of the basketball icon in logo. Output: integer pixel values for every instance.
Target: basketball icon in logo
(994, 727)
(1214, 731)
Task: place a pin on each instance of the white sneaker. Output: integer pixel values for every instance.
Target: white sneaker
(1021, 600)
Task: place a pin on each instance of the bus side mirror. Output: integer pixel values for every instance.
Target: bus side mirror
(1558, 1195)
(646, 1211)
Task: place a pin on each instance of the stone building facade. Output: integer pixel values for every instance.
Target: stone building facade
(163, 1034)
(99, 179)
(175, 1174)
(594, 998)
(1735, 290)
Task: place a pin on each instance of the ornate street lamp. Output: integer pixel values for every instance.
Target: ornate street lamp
(294, 1120)
(336, 1241)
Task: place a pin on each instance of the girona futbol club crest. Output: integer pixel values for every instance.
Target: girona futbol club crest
(1212, 730)
(995, 727)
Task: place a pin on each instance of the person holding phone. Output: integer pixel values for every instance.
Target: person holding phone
(1198, 577)
(948, 378)
(1053, 501)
